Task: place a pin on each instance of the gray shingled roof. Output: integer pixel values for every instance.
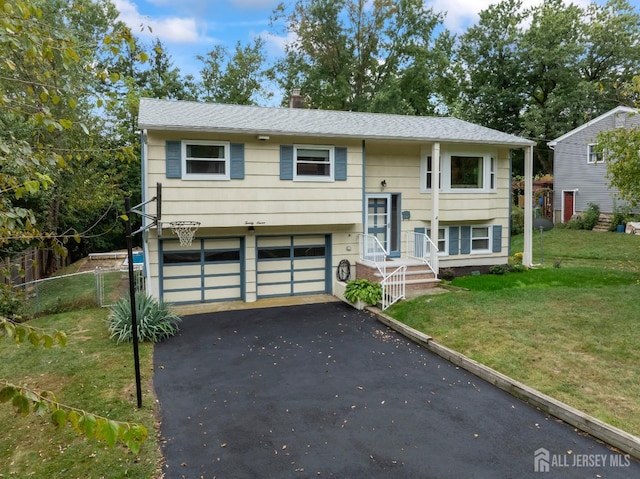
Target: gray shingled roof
(213, 117)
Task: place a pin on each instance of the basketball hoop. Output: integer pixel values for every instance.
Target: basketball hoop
(185, 230)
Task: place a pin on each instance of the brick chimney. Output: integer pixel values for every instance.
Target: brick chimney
(296, 100)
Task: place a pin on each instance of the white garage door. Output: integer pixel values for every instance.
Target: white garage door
(207, 271)
(292, 265)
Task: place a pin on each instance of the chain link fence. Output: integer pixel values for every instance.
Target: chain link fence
(100, 287)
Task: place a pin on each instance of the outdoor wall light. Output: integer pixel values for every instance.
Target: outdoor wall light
(383, 183)
(252, 229)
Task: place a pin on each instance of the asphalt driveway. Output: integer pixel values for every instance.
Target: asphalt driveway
(326, 391)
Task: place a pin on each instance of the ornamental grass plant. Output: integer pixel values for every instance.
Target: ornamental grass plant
(154, 319)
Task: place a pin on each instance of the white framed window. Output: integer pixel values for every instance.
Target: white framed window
(480, 239)
(426, 183)
(205, 160)
(593, 155)
(492, 173)
(469, 172)
(313, 163)
(442, 241)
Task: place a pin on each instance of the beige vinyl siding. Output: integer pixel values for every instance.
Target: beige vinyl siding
(261, 197)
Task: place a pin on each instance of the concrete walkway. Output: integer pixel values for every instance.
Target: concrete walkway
(323, 390)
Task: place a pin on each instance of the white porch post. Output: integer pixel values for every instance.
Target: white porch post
(527, 256)
(435, 198)
(435, 189)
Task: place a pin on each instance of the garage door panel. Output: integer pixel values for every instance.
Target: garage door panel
(222, 269)
(190, 296)
(309, 288)
(181, 283)
(308, 240)
(267, 266)
(273, 241)
(221, 281)
(213, 271)
(301, 268)
(223, 294)
(221, 243)
(308, 276)
(182, 271)
(275, 289)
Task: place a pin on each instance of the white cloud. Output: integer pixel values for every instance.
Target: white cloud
(462, 13)
(172, 29)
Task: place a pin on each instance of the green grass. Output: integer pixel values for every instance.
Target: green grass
(572, 333)
(91, 372)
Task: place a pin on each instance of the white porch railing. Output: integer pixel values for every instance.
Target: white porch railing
(372, 251)
(420, 247)
(393, 287)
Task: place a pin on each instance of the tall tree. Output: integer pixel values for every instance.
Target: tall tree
(160, 79)
(489, 70)
(49, 74)
(543, 71)
(620, 148)
(362, 56)
(237, 79)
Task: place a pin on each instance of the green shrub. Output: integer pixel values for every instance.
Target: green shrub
(363, 290)
(575, 223)
(517, 220)
(155, 321)
(447, 274)
(515, 259)
(591, 216)
(499, 269)
(12, 302)
(621, 215)
(518, 268)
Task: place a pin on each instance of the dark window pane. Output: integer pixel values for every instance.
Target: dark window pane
(181, 257)
(273, 253)
(205, 167)
(466, 171)
(309, 251)
(205, 151)
(221, 256)
(312, 169)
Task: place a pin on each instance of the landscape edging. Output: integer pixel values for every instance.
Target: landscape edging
(611, 435)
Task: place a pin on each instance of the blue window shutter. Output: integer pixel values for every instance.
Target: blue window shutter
(465, 239)
(340, 158)
(497, 238)
(286, 162)
(454, 235)
(174, 159)
(237, 161)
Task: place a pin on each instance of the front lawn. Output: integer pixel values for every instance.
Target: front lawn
(91, 372)
(572, 333)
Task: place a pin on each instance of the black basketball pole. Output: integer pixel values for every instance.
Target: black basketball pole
(132, 298)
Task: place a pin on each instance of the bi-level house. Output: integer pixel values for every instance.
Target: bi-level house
(284, 195)
(579, 170)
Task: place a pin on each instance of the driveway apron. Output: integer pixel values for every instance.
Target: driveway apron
(326, 391)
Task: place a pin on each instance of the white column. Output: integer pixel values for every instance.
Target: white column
(527, 256)
(435, 191)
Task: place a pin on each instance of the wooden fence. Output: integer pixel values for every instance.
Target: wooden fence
(30, 265)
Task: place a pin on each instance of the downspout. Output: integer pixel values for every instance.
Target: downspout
(527, 257)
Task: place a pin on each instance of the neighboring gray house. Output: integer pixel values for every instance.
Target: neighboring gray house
(579, 173)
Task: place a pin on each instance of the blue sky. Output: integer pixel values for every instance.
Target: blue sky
(193, 27)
